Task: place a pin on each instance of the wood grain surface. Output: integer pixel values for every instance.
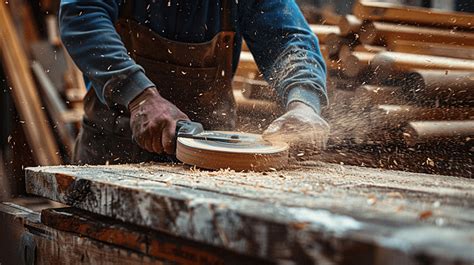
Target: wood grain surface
(314, 211)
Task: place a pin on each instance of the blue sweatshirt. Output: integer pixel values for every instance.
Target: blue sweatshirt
(285, 49)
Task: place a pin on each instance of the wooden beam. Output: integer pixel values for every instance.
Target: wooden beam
(26, 241)
(169, 249)
(442, 86)
(461, 132)
(56, 107)
(412, 15)
(389, 64)
(39, 135)
(322, 31)
(382, 33)
(433, 49)
(250, 213)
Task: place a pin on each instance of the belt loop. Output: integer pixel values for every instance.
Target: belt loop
(226, 15)
(126, 11)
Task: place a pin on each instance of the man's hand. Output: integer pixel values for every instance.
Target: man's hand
(300, 125)
(153, 121)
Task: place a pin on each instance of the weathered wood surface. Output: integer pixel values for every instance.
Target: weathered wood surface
(150, 243)
(315, 212)
(24, 240)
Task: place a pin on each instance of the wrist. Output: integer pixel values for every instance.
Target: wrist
(143, 97)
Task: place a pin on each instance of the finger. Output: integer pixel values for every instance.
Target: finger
(168, 138)
(148, 141)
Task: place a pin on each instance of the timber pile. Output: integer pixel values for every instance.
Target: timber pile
(408, 73)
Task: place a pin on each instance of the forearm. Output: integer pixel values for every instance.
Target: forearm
(88, 32)
(287, 52)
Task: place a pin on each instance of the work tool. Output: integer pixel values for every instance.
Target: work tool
(227, 149)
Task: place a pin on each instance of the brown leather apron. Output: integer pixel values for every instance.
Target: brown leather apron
(196, 77)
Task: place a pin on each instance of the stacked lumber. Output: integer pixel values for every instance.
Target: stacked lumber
(408, 74)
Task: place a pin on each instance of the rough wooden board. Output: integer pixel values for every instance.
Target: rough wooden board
(144, 241)
(24, 232)
(320, 212)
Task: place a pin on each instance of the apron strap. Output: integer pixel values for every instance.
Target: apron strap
(126, 11)
(226, 16)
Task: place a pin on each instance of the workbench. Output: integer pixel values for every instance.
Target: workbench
(310, 213)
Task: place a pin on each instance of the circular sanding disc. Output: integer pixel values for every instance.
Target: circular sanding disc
(250, 153)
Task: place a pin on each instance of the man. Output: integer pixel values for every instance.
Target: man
(151, 63)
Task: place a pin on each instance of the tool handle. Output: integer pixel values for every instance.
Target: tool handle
(186, 128)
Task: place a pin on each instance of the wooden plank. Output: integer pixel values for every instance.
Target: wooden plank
(150, 243)
(434, 49)
(27, 241)
(440, 86)
(354, 212)
(412, 15)
(56, 107)
(440, 131)
(39, 134)
(322, 31)
(388, 64)
(381, 33)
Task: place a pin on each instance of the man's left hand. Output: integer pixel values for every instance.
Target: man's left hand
(300, 125)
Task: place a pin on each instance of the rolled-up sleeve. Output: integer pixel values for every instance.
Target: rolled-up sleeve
(88, 33)
(286, 51)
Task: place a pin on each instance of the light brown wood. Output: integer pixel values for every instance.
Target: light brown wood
(382, 33)
(357, 63)
(55, 106)
(349, 24)
(434, 49)
(39, 135)
(256, 156)
(322, 31)
(433, 131)
(413, 15)
(400, 115)
(386, 64)
(383, 124)
(346, 50)
(453, 87)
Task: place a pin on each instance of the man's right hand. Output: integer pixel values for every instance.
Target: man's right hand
(153, 121)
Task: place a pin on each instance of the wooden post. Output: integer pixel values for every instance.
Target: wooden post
(431, 131)
(381, 33)
(39, 133)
